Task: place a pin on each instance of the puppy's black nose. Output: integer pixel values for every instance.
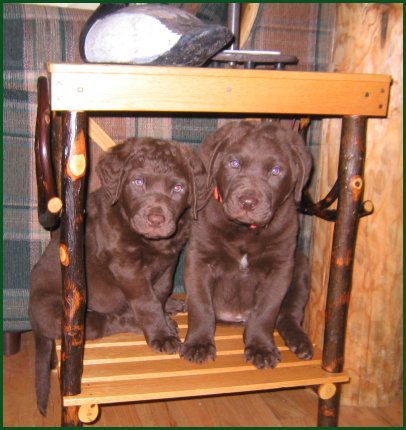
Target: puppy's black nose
(155, 219)
(247, 202)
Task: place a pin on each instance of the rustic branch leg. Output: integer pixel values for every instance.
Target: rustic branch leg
(71, 249)
(70, 416)
(328, 410)
(49, 204)
(351, 186)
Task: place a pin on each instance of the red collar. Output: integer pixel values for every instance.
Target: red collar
(218, 197)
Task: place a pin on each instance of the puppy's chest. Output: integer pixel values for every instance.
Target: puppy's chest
(236, 279)
(238, 263)
(243, 263)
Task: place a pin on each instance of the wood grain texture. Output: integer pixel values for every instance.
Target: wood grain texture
(249, 12)
(328, 410)
(326, 391)
(100, 137)
(183, 89)
(70, 417)
(375, 312)
(122, 368)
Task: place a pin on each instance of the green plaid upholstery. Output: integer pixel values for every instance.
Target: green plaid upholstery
(31, 36)
(34, 35)
(300, 29)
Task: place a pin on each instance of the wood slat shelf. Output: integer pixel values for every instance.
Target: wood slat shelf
(90, 87)
(122, 368)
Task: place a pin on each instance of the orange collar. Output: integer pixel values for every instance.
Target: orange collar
(218, 197)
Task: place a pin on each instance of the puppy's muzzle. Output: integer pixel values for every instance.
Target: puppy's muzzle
(248, 206)
(155, 218)
(248, 202)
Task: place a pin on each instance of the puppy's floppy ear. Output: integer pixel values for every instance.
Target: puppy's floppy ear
(210, 149)
(197, 178)
(212, 168)
(302, 163)
(111, 169)
(215, 143)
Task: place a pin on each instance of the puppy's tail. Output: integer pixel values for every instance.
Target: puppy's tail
(43, 355)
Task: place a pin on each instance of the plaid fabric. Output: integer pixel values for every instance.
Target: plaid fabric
(31, 36)
(300, 29)
(34, 35)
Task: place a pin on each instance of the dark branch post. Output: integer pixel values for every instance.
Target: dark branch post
(71, 251)
(320, 209)
(351, 187)
(49, 203)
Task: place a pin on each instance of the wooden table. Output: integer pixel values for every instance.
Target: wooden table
(77, 89)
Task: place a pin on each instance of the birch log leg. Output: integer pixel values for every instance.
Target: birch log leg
(351, 186)
(74, 165)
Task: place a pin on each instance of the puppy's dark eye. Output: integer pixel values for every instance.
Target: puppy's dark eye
(275, 171)
(139, 182)
(177, 188)
(235, 164)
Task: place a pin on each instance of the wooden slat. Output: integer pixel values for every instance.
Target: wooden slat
(100, 136)
(231, 362)
(197, 385)
(128, 350)
(182, 89)
(122, 368)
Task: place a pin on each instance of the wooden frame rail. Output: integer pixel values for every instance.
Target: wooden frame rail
(187, 89)
(78, 89)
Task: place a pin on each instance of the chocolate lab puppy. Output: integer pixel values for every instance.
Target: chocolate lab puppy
(136, 226)
(241, 263)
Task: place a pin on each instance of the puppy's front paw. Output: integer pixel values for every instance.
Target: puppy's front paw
(165, 344)
(198, 352)
(262, 358)
(301, 346)
(295, 339)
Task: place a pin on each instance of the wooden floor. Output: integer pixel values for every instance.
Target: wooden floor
(284, 408)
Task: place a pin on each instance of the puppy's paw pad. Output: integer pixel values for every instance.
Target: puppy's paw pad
(198, 352)
(262, 358)
(167, 344)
